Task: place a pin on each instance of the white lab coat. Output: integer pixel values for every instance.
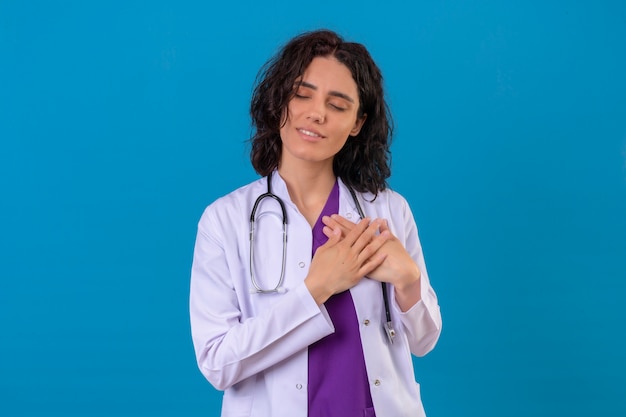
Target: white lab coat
(254, 346)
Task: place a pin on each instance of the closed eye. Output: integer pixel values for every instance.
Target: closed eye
(336, 107)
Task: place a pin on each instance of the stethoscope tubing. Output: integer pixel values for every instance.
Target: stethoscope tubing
(279, 287)
(389, 329)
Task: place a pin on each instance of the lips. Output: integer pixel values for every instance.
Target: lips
(310, 133)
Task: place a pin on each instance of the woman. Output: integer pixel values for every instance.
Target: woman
(324, 322)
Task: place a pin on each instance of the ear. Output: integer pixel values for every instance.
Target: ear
(358, 125)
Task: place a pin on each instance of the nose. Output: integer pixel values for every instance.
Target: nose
(316, 117)
(316, 112)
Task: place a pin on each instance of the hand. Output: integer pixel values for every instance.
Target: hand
(345, 259)
(398, 268)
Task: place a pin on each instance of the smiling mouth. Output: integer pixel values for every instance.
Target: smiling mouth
(309, 133)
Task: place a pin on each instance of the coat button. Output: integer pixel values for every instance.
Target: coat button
(298, 386)
(366, 322)
(301, 264)
(377, 382)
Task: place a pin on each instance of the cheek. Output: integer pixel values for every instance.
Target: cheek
(284, 118)
(293, 110)
(348, 126)
(285, 123)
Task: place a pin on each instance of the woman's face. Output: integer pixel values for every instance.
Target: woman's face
(322, 114)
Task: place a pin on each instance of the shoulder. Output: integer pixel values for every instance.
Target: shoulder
(387, 202)
(389, 199)
(234, 205)
(394, 207)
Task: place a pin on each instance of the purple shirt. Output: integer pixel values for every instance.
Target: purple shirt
(338, 384)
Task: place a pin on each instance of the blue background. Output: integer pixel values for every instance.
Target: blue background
(121, 120)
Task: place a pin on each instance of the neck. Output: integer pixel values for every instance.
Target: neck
(308, 188)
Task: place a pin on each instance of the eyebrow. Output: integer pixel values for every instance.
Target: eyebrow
(332, 93)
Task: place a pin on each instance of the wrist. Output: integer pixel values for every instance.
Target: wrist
(410, 282)
(318, 291)
(408, 293)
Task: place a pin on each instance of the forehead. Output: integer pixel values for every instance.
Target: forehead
(327, 73)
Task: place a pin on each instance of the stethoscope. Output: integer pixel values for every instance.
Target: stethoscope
(279, 286)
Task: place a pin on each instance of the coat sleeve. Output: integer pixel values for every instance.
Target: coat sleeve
(422, 322)
(229, 346)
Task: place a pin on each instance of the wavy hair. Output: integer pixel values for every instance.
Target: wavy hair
(364, 161)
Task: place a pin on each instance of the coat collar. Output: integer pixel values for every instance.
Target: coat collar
(347, 206)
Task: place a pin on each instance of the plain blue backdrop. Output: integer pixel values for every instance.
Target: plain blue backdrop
(121, 120)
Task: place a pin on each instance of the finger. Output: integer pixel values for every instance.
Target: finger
(384, 226)
(342, 221)
(330, 231)
(333, 224)
(357, 232)
(367, 235)
(330, 222)
(373, 246)
(333, 235)
(372, 263)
